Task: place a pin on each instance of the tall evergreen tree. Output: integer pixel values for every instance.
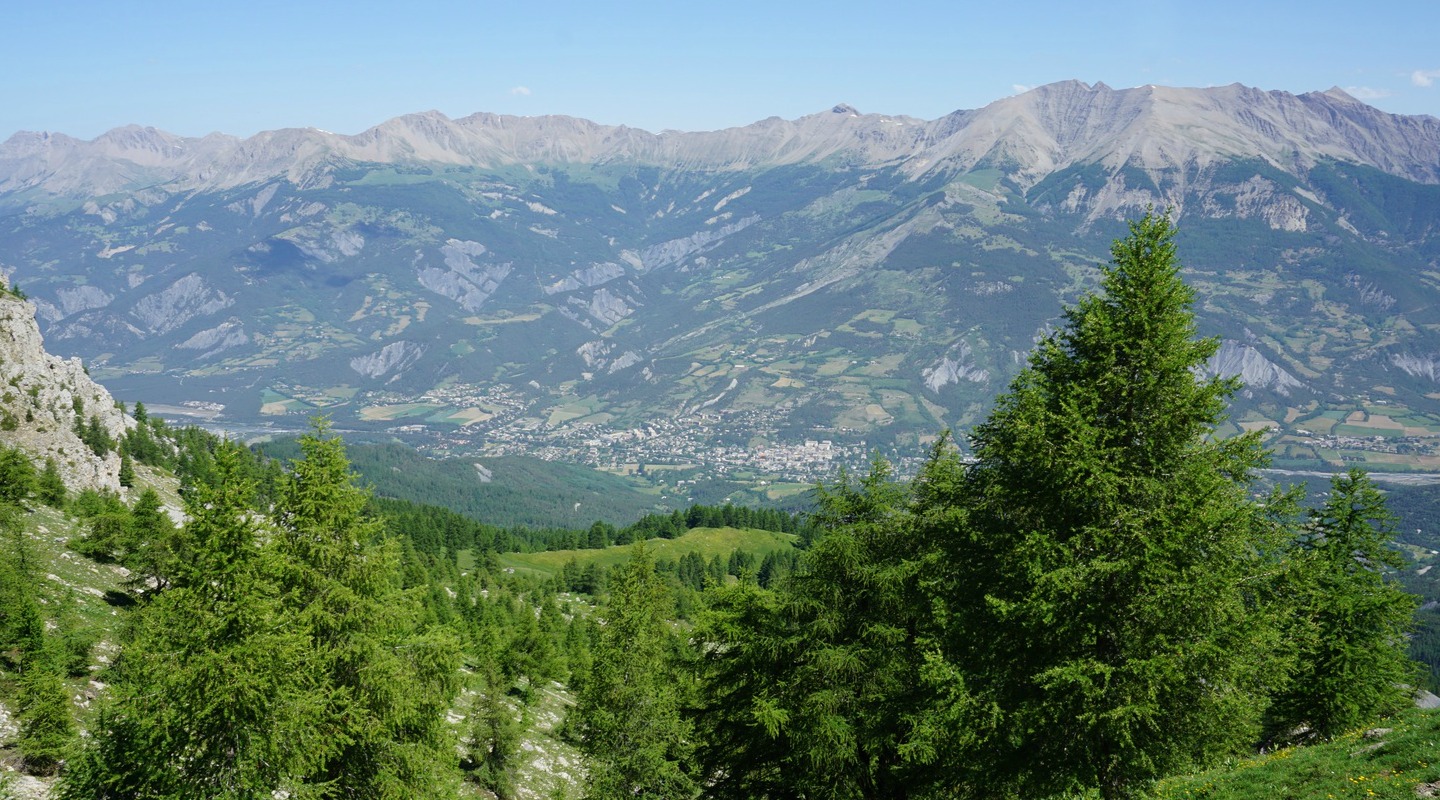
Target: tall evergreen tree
(1108, 591)
(815, 689)
(387, 681)
(628, 715)
(49, 486)
(17, 478)
(1353, 619)
(127, 471)
(153, 548)
(22, 628)
(494, 735)
(206, 699)
(47, 726)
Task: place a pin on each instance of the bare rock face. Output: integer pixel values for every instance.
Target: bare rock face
(392, 358)
(42, 396)
(177, 304)
(1418, 366)
(1237, 360)
(228, 334)
(463, 279)
(953, 368)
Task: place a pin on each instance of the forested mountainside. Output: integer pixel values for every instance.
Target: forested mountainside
(1097, 604)
(136, 609)
(769, 302)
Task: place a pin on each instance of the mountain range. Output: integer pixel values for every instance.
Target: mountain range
(769, 300)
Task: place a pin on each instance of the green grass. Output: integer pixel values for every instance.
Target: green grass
(66, 577)
(1355, 765)
(708, 542)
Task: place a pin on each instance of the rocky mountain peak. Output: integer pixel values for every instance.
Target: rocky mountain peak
(1033, 134)
(41, 398)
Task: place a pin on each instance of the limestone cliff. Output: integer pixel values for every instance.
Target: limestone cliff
(42, 395)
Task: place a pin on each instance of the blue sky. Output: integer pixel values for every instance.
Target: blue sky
(194, 67)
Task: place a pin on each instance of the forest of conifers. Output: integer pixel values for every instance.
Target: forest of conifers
(1098, 598)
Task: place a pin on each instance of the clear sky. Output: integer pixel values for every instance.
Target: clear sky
(198, 66)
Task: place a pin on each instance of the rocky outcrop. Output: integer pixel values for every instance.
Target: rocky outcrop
(186, 299)
(463, 280)
(596, 355)
(1418, 366)
(674, 251)
(605, 306)
(324, 243)
(72, 300)
(953, 368)
(228, 334)
(42, 396)
(392, 359)
(1238, 360)
(586, 277)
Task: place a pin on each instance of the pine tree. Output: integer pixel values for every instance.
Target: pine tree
(49, 486)
(47, 727)
(1114, 563)
(1352, 619)
(811, 689)
(127, 471)
(387, 681)
(206, 699)
(628, 715)
(494, 736)
(17, 478)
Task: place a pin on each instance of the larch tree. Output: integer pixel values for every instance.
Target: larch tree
(1353, 663)
(628, 715)
(1109, 594)
(205, 699)
(817, 688)
(387, 681)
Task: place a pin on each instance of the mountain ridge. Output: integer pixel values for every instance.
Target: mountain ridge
(496, 285)
(1047, 128)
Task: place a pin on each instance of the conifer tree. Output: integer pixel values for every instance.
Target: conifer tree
(628, 716)
(17, 478)
(494, 736)
(49, 486)
(205, 699)
(152, 545)
(1114, 560)
(387, 682)
(1352, 619)
(22, 628)
(810, 690)
(47, 727)
(127, 471)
